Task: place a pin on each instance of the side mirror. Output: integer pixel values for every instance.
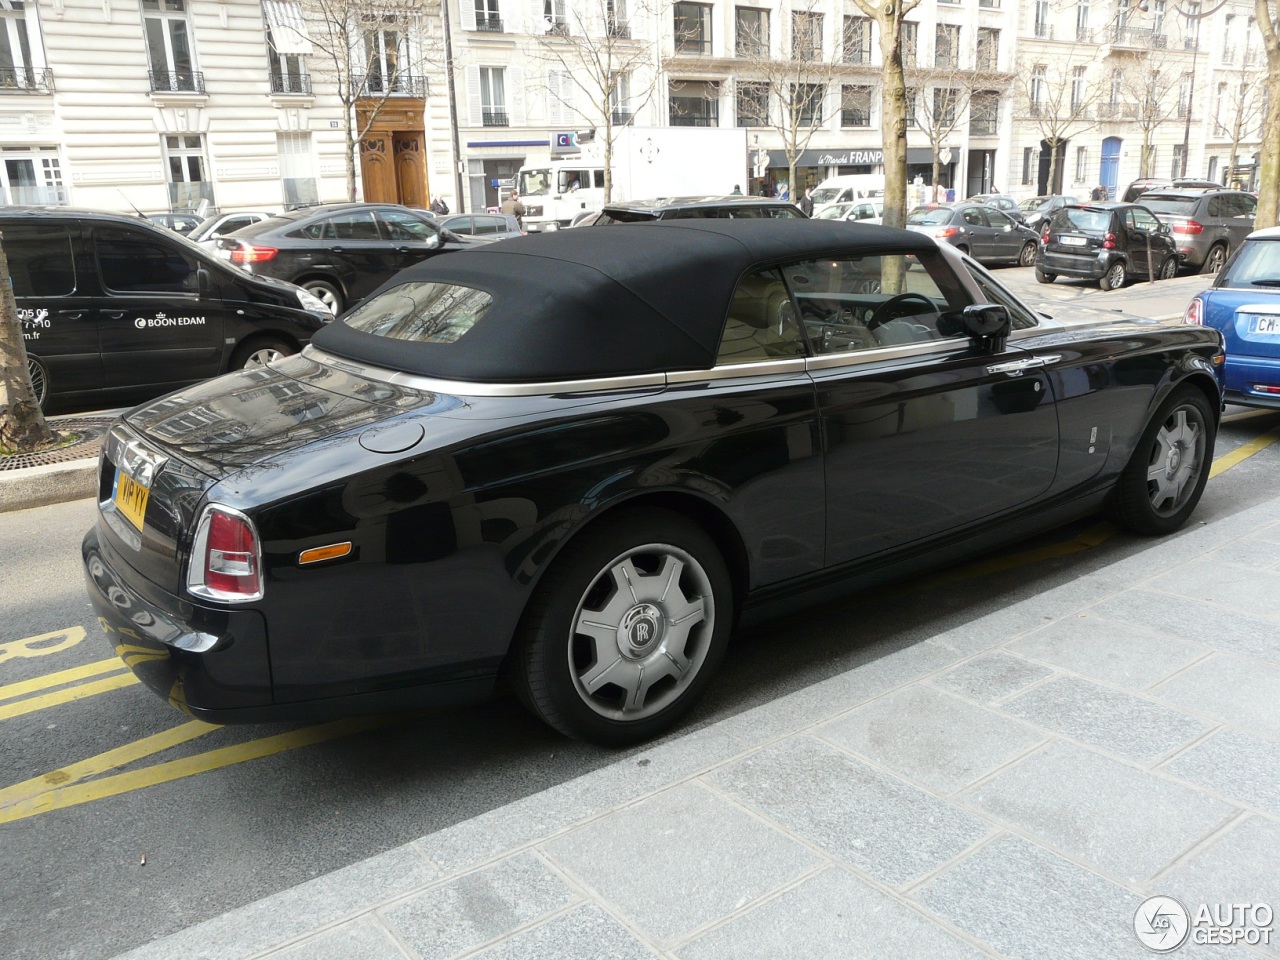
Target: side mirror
(984, 320)
(433, 241)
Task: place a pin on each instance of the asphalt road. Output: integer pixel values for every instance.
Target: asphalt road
(226, 816)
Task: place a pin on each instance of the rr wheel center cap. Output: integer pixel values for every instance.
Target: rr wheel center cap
(641, 630)
(1174, 460)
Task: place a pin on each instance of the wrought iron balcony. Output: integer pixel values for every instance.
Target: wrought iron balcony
(299, 84)
(558, 27)
(26, 80)
(1142, 38)
(622, 118)
(684, 120)
(982, 127)
(495, 118)
(489, 24)
(619, 31)
(855, 118)
(398, 85)
(177, 81)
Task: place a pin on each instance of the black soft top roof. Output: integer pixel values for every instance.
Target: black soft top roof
(586, 303)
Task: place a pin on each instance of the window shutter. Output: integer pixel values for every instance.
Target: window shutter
(473, 95)
(468, 9)
(515, 94)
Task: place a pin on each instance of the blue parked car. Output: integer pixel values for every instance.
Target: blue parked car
(1244, 304)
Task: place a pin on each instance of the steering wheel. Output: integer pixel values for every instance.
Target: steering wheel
(883, 312)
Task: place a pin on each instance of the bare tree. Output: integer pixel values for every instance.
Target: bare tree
(1240, 110)
(944, 94)
(367, 52)
(1154, 87)
(22, 425)
(1267, 13)
(1062, 99)
(598, 65)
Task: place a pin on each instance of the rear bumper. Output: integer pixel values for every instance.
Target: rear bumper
(1091, 267)
(1246, 374)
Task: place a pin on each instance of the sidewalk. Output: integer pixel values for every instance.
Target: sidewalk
(1011, 788)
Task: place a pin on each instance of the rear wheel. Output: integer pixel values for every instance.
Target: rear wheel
(326, 292)
(260, 352)
(1214, 259)
(1045, 277)
(1115, 276)
(39, 380)
(1168, 269)
(1028, 255)
(1165, 477)
(626, 629)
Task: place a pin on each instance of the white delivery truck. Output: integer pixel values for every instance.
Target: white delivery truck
(847, 188)
(648, 162)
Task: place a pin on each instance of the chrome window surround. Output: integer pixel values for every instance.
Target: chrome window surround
(195, 562)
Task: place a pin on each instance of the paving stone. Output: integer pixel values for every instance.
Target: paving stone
(1234, 690)
(1116, 653)
(1125, 725)
(1026, 902)
(991, 676)
(1238, 867)
(876, 822)
(1255, 592)
(1255, 553)
(1194, 620)
(585, 931)
(679, 860)
(932, 737)
(833, 915)
(477, 907)
(1126, 822)
(1236, 765)
(361, 938)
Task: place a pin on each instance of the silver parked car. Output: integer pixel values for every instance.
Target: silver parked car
(482, 226)
(1208, 225)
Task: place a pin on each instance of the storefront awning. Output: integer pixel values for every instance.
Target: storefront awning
(288, 28)
(851, 157)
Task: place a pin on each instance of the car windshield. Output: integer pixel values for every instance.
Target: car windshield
(834, 212)
(1257, 264)
(825, 194)
(1035, 203)
(1076, 218)
(1180, 206)
(421, 312)
(609, 215)
(535, 183)
(929, 215)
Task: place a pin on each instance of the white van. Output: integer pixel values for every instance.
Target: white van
(844, 189)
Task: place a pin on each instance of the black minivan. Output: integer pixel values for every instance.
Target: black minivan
(115, 309)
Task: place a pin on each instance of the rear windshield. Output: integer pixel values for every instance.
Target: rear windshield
(1075, 218)
(1179, 206)
(826, 194)
(930, 215)
(1255, 267)
(421, 312)
(625, 216)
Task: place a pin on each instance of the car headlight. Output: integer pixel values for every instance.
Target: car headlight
(313, 304)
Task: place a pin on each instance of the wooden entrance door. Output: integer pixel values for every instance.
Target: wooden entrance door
(410, 168)
(376, 171)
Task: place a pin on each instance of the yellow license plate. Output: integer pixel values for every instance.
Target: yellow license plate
(131, 498)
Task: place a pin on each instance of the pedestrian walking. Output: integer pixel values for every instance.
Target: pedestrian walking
(1097, 193)
(512, 207)
(806, 202)
(439, 207)
(737, 190)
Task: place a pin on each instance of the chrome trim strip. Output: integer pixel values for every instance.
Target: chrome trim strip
(731, 371)
(853, 358)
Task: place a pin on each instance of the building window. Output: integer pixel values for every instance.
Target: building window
(1079, 88)
(806, 103)
(493, 97)
(1184, 95)
(1039, 83)
(386, 56)
(753, 104)
(693, 28)
(18, 40)
(297, 169)
(487, 16)
(189, 185)
(911, 96)
(695, 103)
(615, 23)
(1212, 172)
(751, 32)
(620, 98)
(944, 107)
(1191, 30)
(984, 113)
(169, 46)
(855, 106)
(554, 19)
(560, 88)
(1026, 164)
(987, 50)
(1176, 168)
(1228, 51)
(806, 36)
(1082, 164)
(1082, 20)
(857, 40)
(1043, 26)
(32, 175)
(910, 38)
(287, 47)
(946, 45)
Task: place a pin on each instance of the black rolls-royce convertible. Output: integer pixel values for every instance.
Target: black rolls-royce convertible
(575, 461)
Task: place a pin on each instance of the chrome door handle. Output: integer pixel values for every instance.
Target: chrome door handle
(1016, 368)
(113, 314)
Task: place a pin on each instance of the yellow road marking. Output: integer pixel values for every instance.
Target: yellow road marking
(32, 704)
(22, 688)
(32, 646)
(74, 773)
(1249, 415)
(61, 798)
(1244, 452)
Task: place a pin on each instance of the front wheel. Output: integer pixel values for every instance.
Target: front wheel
(626, 629)
(1165, 477)
(1115, 276)
(1028, 255)
(1168, 269)
(326, 293)
(258, 353)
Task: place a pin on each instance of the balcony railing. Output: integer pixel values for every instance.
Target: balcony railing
(1044, 31)
(855, 118)
(1117, 111)
(982, 127)
(41, 196)
(995, 4)
(495, 118)
(1142, 37)
(299, 84)
(558, 27)
(751, 47)
(619, 31)
(622, 118)
(400, 85)
(489, 24)
(694, 44)
(180, 81)
(687, 120)
(26, 80)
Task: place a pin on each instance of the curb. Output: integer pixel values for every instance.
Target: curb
(51, 483)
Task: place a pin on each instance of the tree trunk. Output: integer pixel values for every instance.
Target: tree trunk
(791, 177)
(1053, 165)
(351, 154)
(893, 101)
(22, 425)
(608, 154)
(937, 170)
(1269, 155)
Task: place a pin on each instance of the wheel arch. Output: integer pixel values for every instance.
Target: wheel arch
(259, 336)
(324, 277)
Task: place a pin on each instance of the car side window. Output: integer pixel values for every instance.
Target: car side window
(132, 262)
(992, 292)
(354, 226)
(762, 322)
(1241, 205)
(463, 226)
(404, 226)
(41, 262)
(488, 226)
(998, 220)
(975, 216)
(1144, 220)
(1216, 207)
(782, 213)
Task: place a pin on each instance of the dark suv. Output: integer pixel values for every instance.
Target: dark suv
(1207, 225)
(1107, 242)
(732, 207)
(339, 252)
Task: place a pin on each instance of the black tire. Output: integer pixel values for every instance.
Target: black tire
(1027, 256)
(327, 292)
(260, 351)
(1115, 276)
(39, 381)
(1214, 259)
(1168, 269)
(1044, 276)
(553, 663)
(965, 250)
(1182, 433)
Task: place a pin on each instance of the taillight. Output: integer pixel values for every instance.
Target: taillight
(1044, 233)
(252, 254)
(226, 561)
(1191, 227)
(1109, 242)
(945, 232)
(1195, 312)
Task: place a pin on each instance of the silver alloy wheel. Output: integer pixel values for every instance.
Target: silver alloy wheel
(262, 356)
(1177, 457)
(324, 293)
(1169, 269)
(39, 384)
(1115, 275)
(1217, 257)
(641, 632)
(1028, 255)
